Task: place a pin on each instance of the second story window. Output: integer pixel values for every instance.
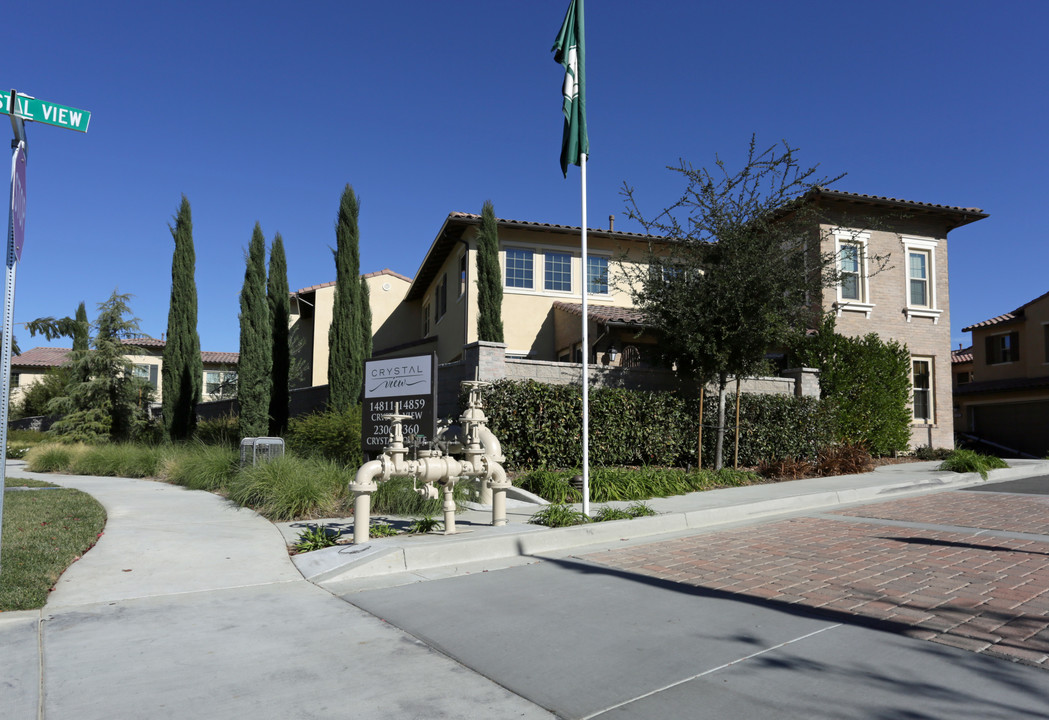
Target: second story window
(558, 272)
(426, 319)
(851, 287)
(1003, 348)
(918, 277)
(597, 275)
(519, 263)
(462, 274)
(441, 299)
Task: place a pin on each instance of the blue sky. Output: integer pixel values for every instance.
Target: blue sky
(257, 112)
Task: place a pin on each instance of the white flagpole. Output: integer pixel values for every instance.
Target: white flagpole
(586, 353)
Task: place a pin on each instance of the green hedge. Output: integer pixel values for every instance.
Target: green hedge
(330, 436)
(540, 426)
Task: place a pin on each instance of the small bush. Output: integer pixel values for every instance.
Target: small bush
(117, 460)
(558, 515)
(223, 431)
(52, 457)
(425, 524)
(966, 461)
(397, 496)
(201, 467)
(844, 459)
(382, 529)
(640, 509)
(317, 538)
(927, 452)
(332, 436)
(611, 513)
(289, 488)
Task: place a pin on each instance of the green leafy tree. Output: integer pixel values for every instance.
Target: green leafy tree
(279, 299)
(112, 403)
(38, 395)
(345, 349)
(489, 279)
(256, 347)
(743, 269)
(868, 381)
(183, 370)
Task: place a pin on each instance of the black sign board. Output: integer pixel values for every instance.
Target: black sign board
(410, 382)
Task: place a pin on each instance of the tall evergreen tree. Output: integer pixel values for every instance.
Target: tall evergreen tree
(489, 279)
(366, 319)
(345, 352)
(182, 374)
(256, 348)
(279, 300)
(81, 330)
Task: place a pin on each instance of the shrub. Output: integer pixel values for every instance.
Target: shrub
(540, 427)
(289, 488)
(397, 496)
(116, 459)
(927, 452)
(201, 467)
(224, 431)
(558, 515)
(334, 436)
(869, 382)
(317, 537)
(966, 461)
(844, 459)
(622, 484)
(51, 457)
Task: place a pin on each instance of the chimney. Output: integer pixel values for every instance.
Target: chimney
(611, 223)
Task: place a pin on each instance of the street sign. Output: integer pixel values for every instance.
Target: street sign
(18, 200)
(30, 108)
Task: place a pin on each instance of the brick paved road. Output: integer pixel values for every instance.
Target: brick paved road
(970, 570)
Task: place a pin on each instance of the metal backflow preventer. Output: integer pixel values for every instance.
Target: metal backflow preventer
(481, 460)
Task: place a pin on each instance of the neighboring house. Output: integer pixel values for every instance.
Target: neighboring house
(311, 313)
(1006, 398)
(220, 368)
(543, 276)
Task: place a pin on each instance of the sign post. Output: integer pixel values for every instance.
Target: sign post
(21, 108)
(411, 383)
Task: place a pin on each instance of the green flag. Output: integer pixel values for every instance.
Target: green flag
(569, 51)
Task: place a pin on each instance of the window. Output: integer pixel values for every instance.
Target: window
(964, 378)
(918, 277)
(519, 268)
(922, 384)
(440, 296)
(222, 383)
(920, 291)
(597, 275)
(14, 379)
(557, 271)
(462, 274)
(145, 372)
(1003, 348)
(1045, 340)
(851, 248)
(426, 319)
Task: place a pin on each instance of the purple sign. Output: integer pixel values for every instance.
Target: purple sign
(18, 200)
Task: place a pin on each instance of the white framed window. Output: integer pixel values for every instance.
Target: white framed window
(519, 268)
(920, 288)
(146, 372)
(220, 382)
(922, 387)
(557, 271)
(1002, 348)
(853, 289)
(597, 275)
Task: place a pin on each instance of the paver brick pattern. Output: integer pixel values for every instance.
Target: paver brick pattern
(978, 592)
(990, 511)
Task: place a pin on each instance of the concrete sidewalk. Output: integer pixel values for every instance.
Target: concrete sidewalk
(189, 607)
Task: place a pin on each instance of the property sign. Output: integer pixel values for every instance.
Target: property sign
(408, 382)
(29, 108)
(18, 200)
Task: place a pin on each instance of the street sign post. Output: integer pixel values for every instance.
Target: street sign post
(30, 108)
(21, 108)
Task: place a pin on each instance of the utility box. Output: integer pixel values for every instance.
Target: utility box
(255, 450)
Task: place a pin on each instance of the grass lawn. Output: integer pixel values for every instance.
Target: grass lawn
(44, 532)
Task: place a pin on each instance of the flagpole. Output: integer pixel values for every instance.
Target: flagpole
(586, 351)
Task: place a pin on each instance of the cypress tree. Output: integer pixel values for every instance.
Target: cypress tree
(489, 279)
(278, 298)
(366, 320)
(183, 371)
(81, 330)
(253, 370)
(345, 353)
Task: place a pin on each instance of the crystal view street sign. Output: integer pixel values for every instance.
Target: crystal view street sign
(45, 112)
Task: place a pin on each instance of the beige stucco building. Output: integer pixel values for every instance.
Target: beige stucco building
(1004, 397)
(904, 295)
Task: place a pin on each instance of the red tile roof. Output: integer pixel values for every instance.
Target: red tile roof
(962, 355)
(603, 313)
(384, 271)
(42, 357)
(1017, 314)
